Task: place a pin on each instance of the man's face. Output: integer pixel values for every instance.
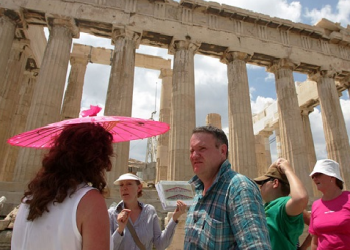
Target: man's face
(205, 157)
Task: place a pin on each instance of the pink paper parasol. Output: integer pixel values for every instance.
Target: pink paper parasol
(122, 128)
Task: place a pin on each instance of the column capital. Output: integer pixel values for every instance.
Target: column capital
(165, 73)
(67, 22)
(127, 34)
(230, 56)
(13, 16)
(81, 59)
(306, 111)
(330, 73)
(265, 133)
(345, 81)
(283, 63)
(183, 45)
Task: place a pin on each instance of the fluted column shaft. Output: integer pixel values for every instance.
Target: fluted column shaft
(9, 90)
(214, 120)
(47, 98)
(7, 35)
(74, 91)
(241, 134)
(268, 149)
(337, 139)
(18, 123)
(278, 142)
(164, 116)
(292, 139)
(9, 95)
(263, 154)
(183, 116)
(310, 147)
(120, 93)
(260, 152)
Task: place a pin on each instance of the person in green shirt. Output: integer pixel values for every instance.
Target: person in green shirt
(285, 198)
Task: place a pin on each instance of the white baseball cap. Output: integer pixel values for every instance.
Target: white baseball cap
(327, 167)
(128, 176)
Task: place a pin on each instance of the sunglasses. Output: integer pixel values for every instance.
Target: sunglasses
(263, 182)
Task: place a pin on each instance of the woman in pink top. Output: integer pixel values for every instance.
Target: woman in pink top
(330, 215)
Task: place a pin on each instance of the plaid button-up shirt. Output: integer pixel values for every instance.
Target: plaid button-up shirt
(229, 216)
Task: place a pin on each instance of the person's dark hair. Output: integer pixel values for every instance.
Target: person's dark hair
(285, 188)
(140, 193)
(219, 135)
(339, 183)
(81, 154)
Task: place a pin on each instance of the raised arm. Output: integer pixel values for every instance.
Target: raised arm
(298, 193)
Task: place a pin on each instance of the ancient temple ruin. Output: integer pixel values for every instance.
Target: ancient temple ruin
(33, 73)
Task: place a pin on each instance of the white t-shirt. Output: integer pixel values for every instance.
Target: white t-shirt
(54, 230)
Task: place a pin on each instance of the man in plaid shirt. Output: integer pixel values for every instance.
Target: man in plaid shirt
(227, 211)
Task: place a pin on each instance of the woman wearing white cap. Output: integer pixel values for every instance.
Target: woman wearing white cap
(134, 225)
(330, 215)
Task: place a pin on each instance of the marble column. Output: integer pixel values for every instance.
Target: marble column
(337, 139)
(9, 91)
(9, 96)
(278, 142)
(48, 93)
(263, 153)
(18, 122)
(183, 110)
(268, 151)
(120, 93)
(261, 160)
(164, 116)
(292, 138)
(241, 134)
(213, 119)
(310, 147)
(266, 135)
(7, 35)
(74, 91)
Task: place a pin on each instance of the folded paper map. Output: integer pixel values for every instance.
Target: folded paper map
(171, 191)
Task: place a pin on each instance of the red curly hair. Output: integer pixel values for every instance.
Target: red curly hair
(81, 154)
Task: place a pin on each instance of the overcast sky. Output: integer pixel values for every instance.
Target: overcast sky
(211, 76)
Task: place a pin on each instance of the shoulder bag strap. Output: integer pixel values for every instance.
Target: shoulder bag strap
(134, 236)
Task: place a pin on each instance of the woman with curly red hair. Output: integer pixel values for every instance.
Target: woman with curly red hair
(64, 207)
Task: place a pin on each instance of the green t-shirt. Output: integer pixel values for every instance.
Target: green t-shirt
(284, 230)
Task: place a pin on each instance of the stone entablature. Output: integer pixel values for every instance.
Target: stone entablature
(104, 56)
(216, 28)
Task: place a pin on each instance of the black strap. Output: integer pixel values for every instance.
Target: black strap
(134, 236)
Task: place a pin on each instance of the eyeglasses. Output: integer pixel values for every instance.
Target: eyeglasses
(263, 182)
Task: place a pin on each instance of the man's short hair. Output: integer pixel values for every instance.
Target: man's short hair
(218, 134)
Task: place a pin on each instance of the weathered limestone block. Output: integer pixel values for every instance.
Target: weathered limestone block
(213, 119)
